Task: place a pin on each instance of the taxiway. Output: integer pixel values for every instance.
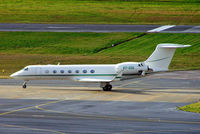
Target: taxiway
(142, 105)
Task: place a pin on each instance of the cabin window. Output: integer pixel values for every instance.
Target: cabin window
(131, 67)
(139, 65)
(46, 71)
(26, 69)
(84, 71)
(125, 67)
(62, 71)
(92, 71)
(54, 71)
(77, 71)
(69, 71)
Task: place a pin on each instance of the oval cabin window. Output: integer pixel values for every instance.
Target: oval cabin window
(92, 71)
(77, 71)
(69, 71)
(84, 71)
(54, 71)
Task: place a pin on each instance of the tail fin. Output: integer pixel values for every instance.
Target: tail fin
(162, 56)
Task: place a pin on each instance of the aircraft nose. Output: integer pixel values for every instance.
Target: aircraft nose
(14, 75)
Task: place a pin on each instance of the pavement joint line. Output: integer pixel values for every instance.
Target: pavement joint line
(26, 108)
(132, 82)
(117, 98)
(92, 116)
(63, 88)
(87, 116)
(36, 129)
(157, 131)
(59, 27)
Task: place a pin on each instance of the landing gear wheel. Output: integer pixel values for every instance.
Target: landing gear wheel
(107, 87)
(24, 86)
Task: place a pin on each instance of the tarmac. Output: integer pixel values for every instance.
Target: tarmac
(98, 28)
(142, 105)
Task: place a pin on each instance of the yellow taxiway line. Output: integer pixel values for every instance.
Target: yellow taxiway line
(26, 108)
(36, 129)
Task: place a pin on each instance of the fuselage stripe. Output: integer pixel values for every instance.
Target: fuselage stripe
(71, 75)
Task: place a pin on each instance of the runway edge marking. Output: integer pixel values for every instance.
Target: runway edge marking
(159, 29)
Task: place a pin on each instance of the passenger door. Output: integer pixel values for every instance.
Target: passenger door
(38, 72)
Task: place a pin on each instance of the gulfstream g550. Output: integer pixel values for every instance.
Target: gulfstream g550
(103, 74)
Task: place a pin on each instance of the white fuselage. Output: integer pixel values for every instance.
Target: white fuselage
(108, 72)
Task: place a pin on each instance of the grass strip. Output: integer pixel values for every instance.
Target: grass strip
(59, 43)
(195, 107)
(101, 11)
(19, 49)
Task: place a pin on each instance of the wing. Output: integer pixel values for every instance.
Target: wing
(93, 79)
(98, 79)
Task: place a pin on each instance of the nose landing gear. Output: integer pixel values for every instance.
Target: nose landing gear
(24, 84)
(106, 86)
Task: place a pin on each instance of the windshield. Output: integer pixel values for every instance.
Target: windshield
(26, 69)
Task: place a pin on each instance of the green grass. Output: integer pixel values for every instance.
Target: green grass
(141, 48)
(147, 43)
(101, 11)
(191, 108)
(58, 43)
(19, 49)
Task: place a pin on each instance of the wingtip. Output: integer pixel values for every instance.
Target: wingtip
(187, 45)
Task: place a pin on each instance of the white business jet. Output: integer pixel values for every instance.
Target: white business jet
(103, 74)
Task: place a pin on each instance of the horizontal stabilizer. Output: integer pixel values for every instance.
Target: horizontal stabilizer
(169, 45)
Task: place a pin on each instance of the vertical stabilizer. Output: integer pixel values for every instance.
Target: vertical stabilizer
(162, 56)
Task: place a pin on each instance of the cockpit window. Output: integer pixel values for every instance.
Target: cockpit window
(25, 69)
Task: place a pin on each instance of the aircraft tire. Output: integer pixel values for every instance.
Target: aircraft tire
(24, 86)
(108, 87)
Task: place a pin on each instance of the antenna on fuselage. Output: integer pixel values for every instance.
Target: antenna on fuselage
(58, 63)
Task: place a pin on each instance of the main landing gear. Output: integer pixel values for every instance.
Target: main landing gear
(106, 86)
(24, 84)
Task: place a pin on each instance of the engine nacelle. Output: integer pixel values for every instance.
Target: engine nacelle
(131, 68)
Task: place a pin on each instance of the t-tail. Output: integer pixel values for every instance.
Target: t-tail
(162, 56)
